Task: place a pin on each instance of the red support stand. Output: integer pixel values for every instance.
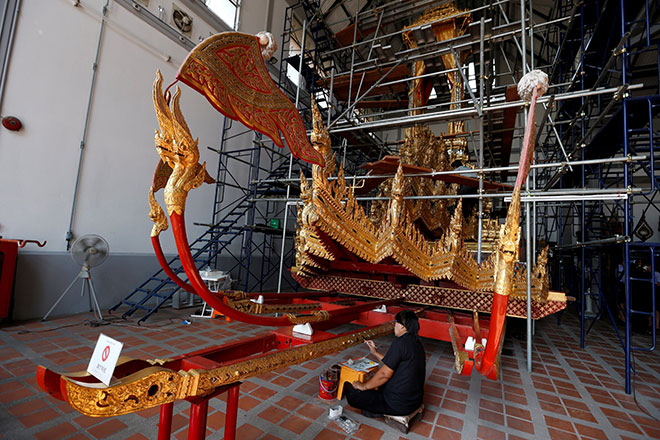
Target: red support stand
(199, 408)
(165, 421)
(198, 411)
(232, 412)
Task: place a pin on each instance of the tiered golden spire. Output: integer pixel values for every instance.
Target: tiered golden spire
(338, 215)
(392, 228)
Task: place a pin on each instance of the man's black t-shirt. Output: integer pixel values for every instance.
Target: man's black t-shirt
(405, 389)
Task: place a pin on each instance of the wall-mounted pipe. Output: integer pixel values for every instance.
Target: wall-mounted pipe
(10, 39)
(69, 233)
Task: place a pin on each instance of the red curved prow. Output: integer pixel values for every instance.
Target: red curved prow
(49, 381)
(214, 299)
(155, 242)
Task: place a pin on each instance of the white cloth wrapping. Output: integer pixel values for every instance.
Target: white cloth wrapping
(535, 78)
(269, 48)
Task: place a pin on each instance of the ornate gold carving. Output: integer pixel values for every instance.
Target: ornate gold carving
(228, 69)
(153, 386)
(177, 149)
(460, 356)
(320, 138)
(450, 297)
(318, 316)
(307, 241)
(159, 361)
(149, 387)
(490, 230)
(241, 301)
(235, 294)
(156, 215)
(248, 306)
(285, 358)
(447, 22)
(507, 251)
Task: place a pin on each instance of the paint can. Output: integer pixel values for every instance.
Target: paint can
(328, 384)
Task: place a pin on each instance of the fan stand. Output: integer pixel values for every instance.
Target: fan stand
(86, 276)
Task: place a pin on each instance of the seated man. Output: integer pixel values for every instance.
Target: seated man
(401, 378)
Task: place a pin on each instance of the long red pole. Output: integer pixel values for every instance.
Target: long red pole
(484, 359)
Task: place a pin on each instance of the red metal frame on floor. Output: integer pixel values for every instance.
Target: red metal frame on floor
(199, 407)
(433, 324)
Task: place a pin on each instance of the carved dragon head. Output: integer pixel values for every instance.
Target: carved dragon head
(177, 149)
(174, 141)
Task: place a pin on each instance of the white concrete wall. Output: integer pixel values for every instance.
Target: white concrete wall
(47, 88)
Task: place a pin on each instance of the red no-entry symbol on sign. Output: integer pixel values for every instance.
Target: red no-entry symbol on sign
(105, 354)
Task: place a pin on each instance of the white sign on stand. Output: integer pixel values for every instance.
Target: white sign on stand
(104, 359)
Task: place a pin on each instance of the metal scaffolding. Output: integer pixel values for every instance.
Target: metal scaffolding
(583, 175)
(595, 236)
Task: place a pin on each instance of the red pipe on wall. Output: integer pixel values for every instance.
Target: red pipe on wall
(8, 254)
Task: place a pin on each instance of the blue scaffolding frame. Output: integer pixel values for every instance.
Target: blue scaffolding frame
(601, 128)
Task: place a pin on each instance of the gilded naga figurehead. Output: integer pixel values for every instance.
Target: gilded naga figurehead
(177, 148)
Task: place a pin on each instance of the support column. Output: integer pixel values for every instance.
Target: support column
(197, 427)
(231, 414)
(165, 421)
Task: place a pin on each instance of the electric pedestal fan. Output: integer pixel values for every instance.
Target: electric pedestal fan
(88, 251)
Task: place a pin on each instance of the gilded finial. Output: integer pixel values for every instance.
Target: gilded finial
(305, 192)
(398, 184)
(507, 251)
(320, 137)
(395, 210)
(455, 235)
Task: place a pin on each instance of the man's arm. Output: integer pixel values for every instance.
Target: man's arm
(372, 349)
(382, 375)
